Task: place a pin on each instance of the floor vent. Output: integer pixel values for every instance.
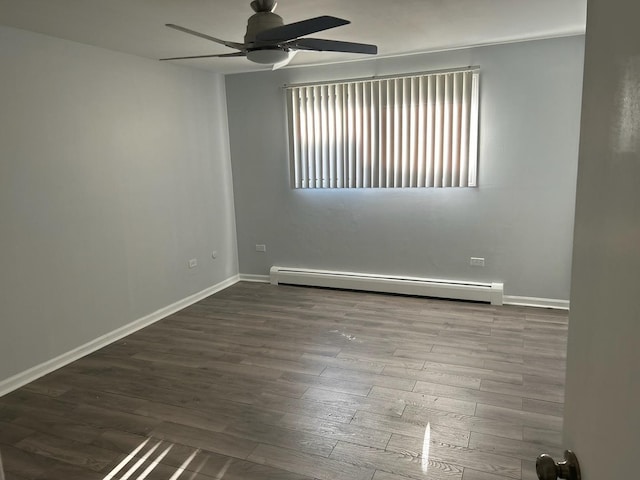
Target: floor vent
(427, 287)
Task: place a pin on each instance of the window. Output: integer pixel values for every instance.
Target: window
(413, 131)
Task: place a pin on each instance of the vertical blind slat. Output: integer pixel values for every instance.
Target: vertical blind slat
(308, 137)
(359, 134)
(464, 129)
(331, 120)
(419, 131)
(343, 137)
(446, 131)
(390, 147)
(351, 147)
(373, 137)
(324, 132)
(455, 130)
(317, 129)
(294, 139)
(421, 153)
(438, 134)
(381, 136)
(397, 134)
(473, 131)
(339, 137)
(413, 133)
(431, 131)
(406, 129)
(311, 162)
(366, 146)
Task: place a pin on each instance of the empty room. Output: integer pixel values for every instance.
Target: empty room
(361, 240)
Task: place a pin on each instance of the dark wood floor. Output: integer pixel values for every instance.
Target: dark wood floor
(290, 383)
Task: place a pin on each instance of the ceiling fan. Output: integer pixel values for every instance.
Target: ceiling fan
(269, 40)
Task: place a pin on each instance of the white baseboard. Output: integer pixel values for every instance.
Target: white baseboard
(247, 277)
(12, 383)
(536, 302)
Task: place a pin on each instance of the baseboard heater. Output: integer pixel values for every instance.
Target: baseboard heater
(426, 287)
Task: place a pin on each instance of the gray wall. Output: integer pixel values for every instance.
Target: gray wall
(114, 172)
(520, 218)
(602, 418)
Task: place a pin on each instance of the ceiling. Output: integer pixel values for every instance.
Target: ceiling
(397, 27)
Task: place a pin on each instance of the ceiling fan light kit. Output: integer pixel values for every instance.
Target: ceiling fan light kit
(268, 40)
(268, 56)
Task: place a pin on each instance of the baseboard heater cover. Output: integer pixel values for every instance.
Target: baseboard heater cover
(426, 287)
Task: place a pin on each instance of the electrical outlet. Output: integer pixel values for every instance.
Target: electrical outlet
(193, 263)
(261, 248)
(476, 261)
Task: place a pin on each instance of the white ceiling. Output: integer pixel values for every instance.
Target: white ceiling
(397, 27)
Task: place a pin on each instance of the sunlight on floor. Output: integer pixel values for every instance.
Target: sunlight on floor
(184, 466)
(152, 463)
(425, 448)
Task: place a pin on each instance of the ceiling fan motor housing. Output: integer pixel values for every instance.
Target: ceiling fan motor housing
(259, 22)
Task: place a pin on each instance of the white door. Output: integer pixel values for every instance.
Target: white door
(602, 408)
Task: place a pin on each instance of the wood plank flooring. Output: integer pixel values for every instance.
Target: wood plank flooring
(292, 383)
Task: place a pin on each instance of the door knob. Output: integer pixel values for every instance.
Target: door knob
(548, 469)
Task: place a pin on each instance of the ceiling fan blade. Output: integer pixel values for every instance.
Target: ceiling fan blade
(284, 63)
(299, 29)
(239, 46)
(223, 55)
(323, 45)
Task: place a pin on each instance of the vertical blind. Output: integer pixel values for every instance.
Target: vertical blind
(414, 131)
